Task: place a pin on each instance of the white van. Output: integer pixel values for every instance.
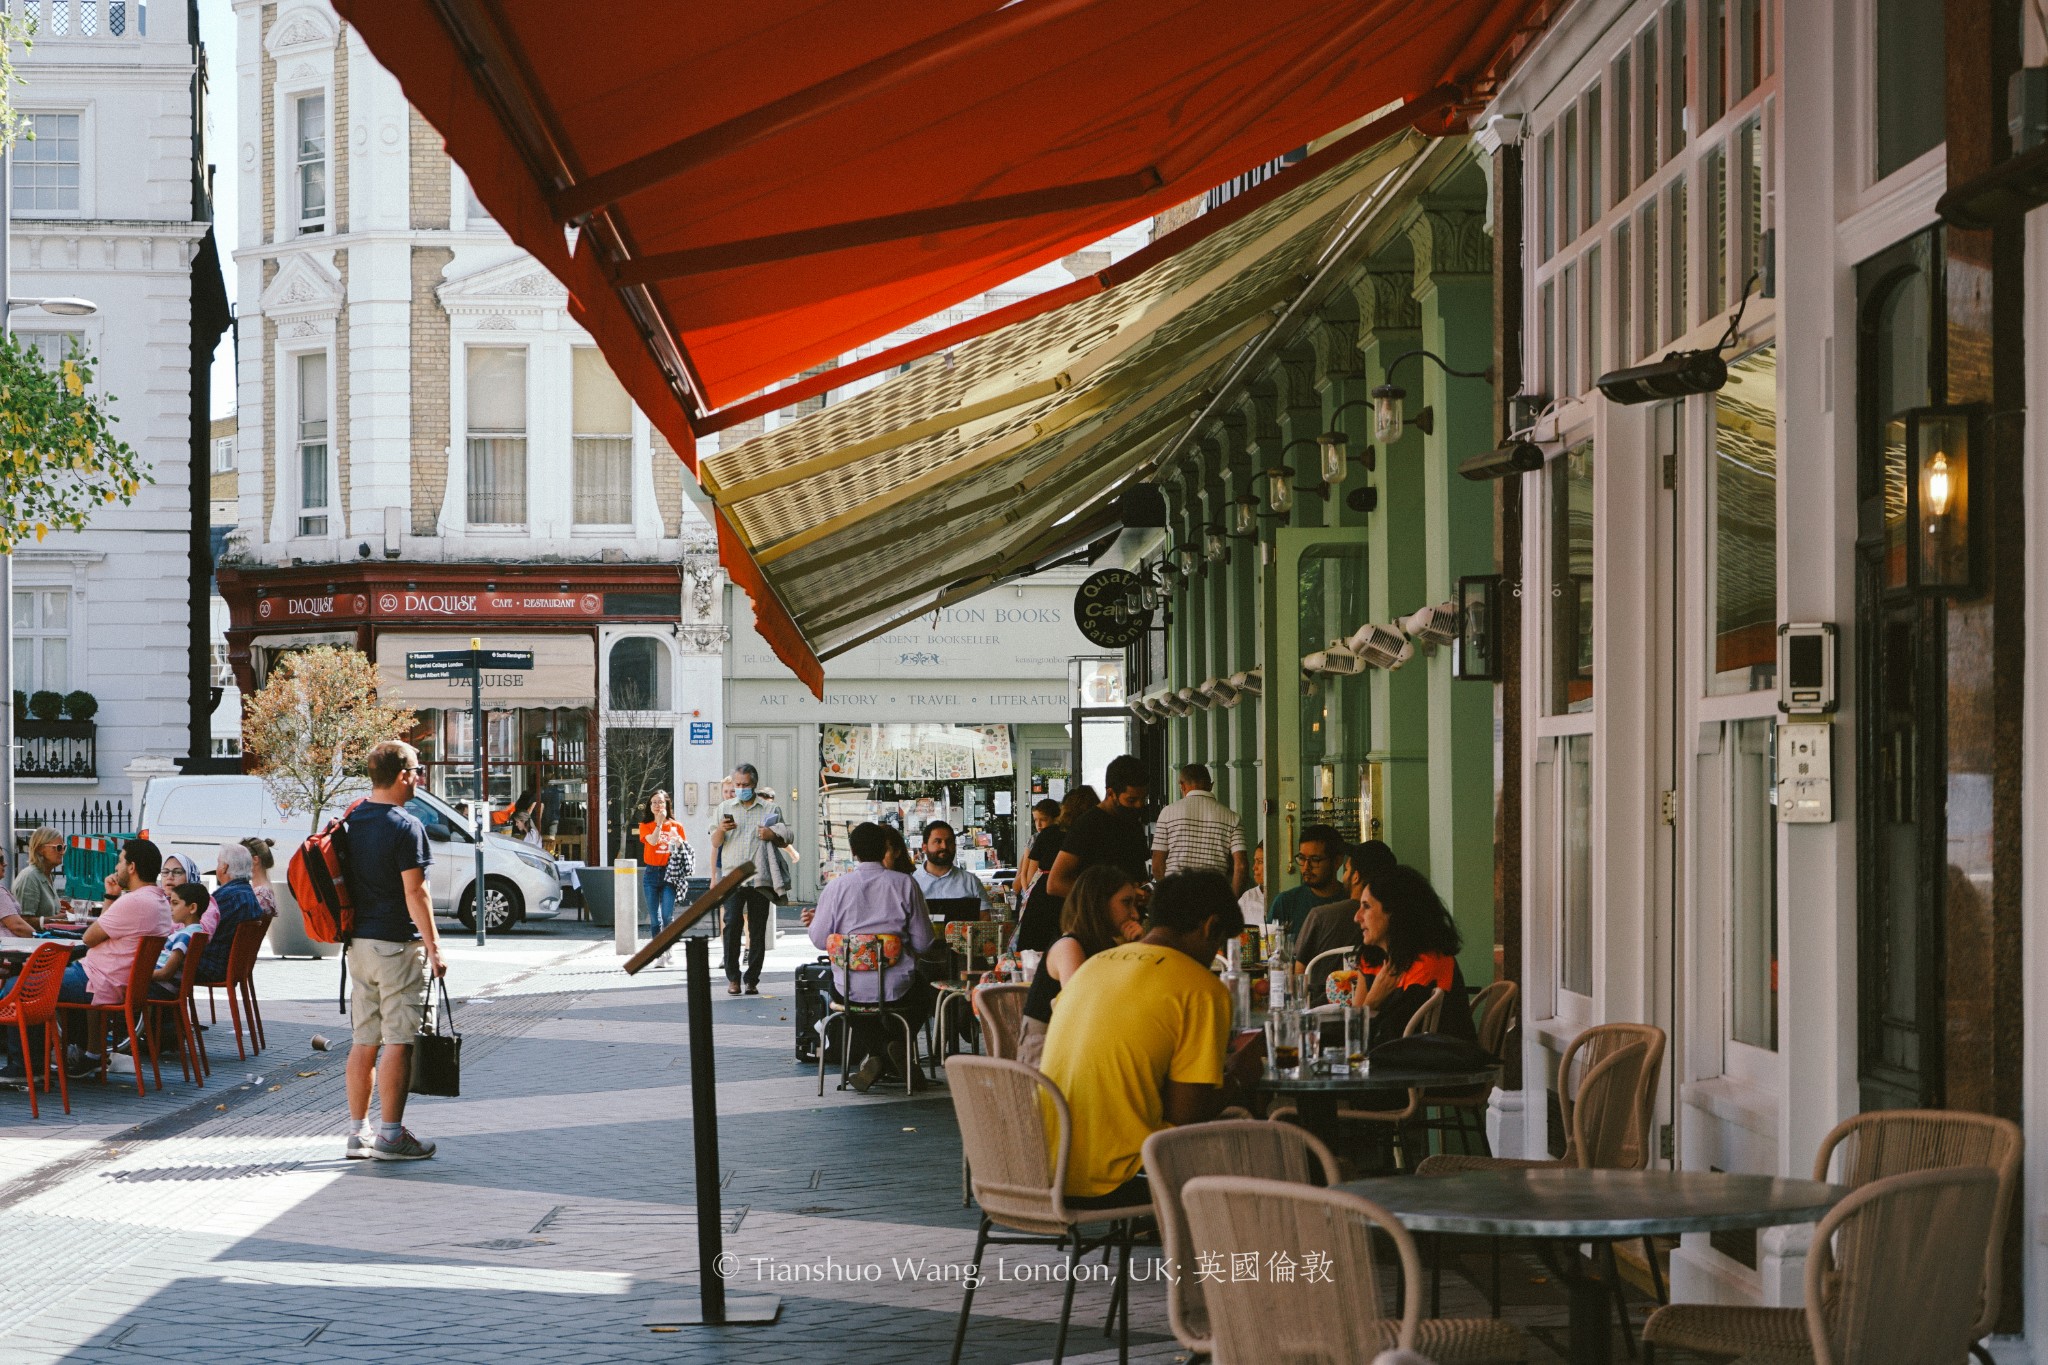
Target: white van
(196, 815)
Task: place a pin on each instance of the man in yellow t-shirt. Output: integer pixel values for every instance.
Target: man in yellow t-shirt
(1137, 1041)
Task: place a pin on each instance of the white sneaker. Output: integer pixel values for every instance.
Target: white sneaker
(359, 1146)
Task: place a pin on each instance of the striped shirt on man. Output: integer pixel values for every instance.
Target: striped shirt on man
(1198, 833)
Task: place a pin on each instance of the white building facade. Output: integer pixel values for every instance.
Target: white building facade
(1762, 178)
(430, 449)
(110, 202)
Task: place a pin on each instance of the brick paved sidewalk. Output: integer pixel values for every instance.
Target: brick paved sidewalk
(224, 1224)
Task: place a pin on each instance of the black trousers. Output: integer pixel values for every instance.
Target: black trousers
(867, 1033)
(749, 905)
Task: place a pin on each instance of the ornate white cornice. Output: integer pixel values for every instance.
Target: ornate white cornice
(304, 287)
(298, 30)
(519, 285)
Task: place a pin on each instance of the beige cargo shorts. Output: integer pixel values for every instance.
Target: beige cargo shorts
(390, 996)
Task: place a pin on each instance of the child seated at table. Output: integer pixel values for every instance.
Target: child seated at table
(188, 902)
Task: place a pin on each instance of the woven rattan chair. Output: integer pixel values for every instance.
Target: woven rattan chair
(1020, 1180)
(1495, 1012)
(1860, 1150)
(1424, 1020)
(1607, 1117)
(1328, 1310)
(1174, 1156)
(1895, 1277)
(1001, 1009)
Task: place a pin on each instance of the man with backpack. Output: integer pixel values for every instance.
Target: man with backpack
(393, 948)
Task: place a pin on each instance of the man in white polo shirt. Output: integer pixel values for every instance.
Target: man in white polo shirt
(1198, 833)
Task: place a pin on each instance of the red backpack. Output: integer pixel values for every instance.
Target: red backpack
(318, 873)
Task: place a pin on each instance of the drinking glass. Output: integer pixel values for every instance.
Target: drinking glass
(1354, 1039)
(1283, 1043)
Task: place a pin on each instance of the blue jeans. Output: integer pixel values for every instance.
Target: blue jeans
(660, 898)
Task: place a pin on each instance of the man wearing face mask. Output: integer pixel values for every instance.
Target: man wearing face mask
(744, 825)
(942, 881)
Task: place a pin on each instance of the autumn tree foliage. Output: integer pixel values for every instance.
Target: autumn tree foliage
(310, 729)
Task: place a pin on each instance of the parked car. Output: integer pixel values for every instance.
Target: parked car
(196, 815)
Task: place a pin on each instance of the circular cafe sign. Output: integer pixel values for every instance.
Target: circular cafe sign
(1097, 610)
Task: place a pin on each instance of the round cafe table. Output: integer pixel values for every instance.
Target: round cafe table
(15, 951)
(1572, 1205)
(1316, 1098)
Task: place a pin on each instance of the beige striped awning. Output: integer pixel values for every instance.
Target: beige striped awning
(978, 462)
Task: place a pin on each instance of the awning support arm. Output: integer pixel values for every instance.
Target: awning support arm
(890, 227)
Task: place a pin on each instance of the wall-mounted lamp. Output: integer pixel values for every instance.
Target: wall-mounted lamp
(1476, 657)
(1516, 457)
(1215, 545)
(1187, 559)
(1245, 517)
(1279, 490)
(1936, 534)
(1388, 414)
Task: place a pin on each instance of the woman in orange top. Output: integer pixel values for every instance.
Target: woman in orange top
(1401, 914)
(658, 834)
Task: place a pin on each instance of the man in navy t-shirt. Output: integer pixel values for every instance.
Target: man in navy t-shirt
(393, 948)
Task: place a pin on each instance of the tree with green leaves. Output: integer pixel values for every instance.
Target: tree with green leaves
(60, 460)
(309, 731)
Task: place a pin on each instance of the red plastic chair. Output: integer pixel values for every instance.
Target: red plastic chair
(134, 1008)
(240, 984)
(185, 1014)
(33, 1004)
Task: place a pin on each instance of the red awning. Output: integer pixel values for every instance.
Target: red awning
(759, 188)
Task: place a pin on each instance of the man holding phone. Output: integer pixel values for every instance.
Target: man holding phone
(744, 825)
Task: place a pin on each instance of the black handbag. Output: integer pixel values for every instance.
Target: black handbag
(1432, 1052)
(437, 1056)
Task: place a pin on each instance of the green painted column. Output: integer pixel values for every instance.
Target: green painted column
(1390, 324)
(1454, 287)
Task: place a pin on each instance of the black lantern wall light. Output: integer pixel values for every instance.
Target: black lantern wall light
(1930, 525)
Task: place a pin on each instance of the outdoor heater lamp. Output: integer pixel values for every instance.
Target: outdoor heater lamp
(1516, 457)
(1675, 376)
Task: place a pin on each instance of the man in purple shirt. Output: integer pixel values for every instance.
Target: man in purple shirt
(870, 899)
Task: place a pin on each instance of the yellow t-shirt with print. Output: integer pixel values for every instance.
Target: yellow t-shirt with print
(1129, 1020)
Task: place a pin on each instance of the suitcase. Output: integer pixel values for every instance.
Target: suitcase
(813, 1003)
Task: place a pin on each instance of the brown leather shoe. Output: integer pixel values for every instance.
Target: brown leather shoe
(732, 988)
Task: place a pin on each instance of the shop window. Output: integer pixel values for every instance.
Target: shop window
(46, 165)
(42, 640)
(1714, 170)
(1753, 849)
(1595, 156)
(310, 164)
(312, 443)
(1575, 879)
(1567, 317)
(1647, 160)
(1650, 249)
(497, 435)
(1714, 61)
(1744, 483)
(1624, 135)
(1676, 74)
(1568, 176)
(1749, 201)
(1334, 718)
(603, 418)
(908, 775)
(1547, 338)
(1589, 361)
(1624, 297)
(1546, 196)
(1911, 87)
(637, 675)
(1677, 278)
(1571, 581)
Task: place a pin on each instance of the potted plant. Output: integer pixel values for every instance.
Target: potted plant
(81, 705)
(46, 705)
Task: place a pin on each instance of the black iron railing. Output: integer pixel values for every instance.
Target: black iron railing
(56, 748)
